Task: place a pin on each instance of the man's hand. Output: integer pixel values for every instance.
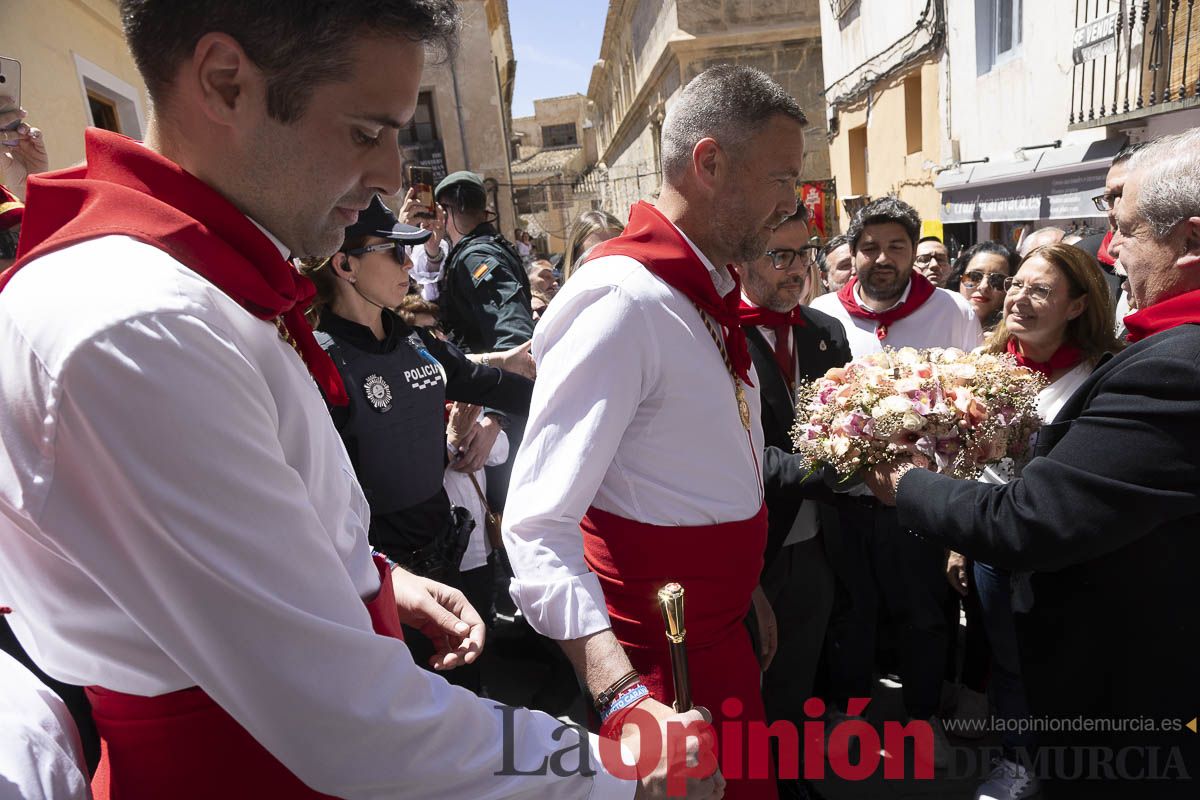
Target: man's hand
(23, 152)
(517, 360)
(956, 572)
(768, 636)
(443, 614)
(654, 785)
(476, 446)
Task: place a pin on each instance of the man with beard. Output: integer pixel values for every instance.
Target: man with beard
(889, 304)
(791, 344)
(644, 427)
(182, 530)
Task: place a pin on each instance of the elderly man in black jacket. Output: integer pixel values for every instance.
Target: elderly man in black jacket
(1108, 516)
(791, 344)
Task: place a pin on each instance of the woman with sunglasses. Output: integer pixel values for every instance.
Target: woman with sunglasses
(1058, 320)
(981, 280)
(398, 379)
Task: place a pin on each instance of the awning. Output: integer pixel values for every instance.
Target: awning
(1060, 197)
(1057, 184)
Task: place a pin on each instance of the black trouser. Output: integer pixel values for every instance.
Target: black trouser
(882, 565)
(799, 584)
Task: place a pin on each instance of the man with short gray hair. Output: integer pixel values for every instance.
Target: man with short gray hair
(1106, 517)
(644, 428)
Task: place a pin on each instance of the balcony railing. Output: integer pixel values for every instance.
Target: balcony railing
(1134, 58)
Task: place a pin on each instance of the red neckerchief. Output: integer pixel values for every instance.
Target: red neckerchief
(919, 290)
(126, 189)
(780, 323)
(656, 244)
(1102, 254)
(1179, 310)
(1065, 357)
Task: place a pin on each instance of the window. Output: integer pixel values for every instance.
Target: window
(858, 160)
(110, 102)
(423, 128)
(559, 135)
(530, 199)
(998, 32)
(104, 112)
(912, 113)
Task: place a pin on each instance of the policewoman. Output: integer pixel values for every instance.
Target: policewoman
(398, 379)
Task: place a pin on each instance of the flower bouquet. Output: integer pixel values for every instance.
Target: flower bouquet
(951, 411)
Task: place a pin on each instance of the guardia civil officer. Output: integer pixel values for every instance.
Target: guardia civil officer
(398, 379)
(484, 292)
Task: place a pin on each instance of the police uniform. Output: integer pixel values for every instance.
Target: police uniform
(484, 292)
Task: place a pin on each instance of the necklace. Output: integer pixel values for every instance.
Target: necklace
(738, 392)
(286, 335)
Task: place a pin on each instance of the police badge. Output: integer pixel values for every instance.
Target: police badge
(378, 393)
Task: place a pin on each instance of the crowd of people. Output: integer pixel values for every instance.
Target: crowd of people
(280, 464)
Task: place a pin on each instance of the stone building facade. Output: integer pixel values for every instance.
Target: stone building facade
(554, 148)
(652, 48)
(464, 110)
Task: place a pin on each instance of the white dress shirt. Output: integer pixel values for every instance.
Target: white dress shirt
(427, 273)
(944, 320)
(40, 754)
(633, 412)
(177, 510)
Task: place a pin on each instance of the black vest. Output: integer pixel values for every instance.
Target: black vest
(395, 430)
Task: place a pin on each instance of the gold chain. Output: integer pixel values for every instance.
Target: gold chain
(738, 393)
(286, 335)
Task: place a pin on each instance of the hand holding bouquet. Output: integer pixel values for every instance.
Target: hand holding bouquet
(952, 411)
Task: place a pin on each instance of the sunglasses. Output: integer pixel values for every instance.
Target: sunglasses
(399, 251)
(972, 279)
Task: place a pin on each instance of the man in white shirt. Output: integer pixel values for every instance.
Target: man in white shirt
(182, 529)
(644, 423)
(889, 304)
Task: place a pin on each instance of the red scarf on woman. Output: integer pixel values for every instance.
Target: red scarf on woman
(1065, 357)
(780, 323)
(653, 241)
(1179, 310)
(919, 290)
(126, 189)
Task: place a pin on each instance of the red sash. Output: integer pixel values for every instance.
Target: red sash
(919, 290)
(718, 566)
(183, 746)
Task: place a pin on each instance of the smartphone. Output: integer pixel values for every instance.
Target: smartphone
(10, 86)
(421, 179)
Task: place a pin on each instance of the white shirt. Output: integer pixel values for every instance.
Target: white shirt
(944, 320)
(427, 273)
(462, 493)
(633, 412)
(40, 754)
(177, 510)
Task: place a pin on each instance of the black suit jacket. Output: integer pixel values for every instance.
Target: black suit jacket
(820, 344)
(1109, 518)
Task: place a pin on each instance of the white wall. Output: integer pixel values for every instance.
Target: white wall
(864, 32)
(1024, 100)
